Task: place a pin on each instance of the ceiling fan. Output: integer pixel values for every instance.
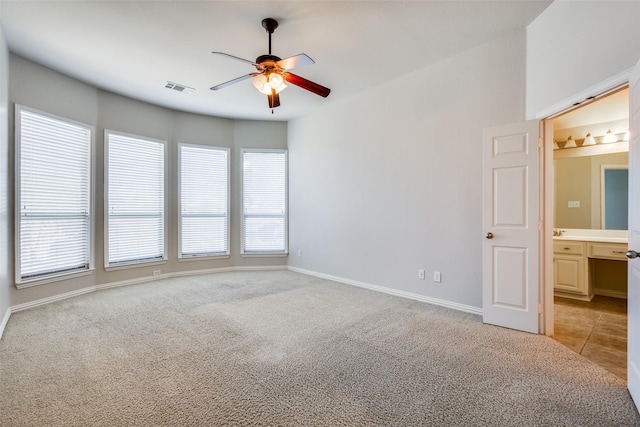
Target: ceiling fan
(273, 72)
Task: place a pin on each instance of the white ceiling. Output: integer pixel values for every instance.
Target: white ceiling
(134, 47)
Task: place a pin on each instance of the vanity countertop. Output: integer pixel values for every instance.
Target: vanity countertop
(600, 236)
(600, 239)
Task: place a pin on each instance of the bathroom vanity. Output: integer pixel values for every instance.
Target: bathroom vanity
(573, 253)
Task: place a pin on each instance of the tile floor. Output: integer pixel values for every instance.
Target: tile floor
(597, 330)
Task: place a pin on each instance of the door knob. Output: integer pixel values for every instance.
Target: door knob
(490, 236)
(632, 254)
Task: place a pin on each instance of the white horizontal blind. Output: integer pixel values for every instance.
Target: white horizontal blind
(204, 201)
(54, 195)
(135, 199)
(264, 201)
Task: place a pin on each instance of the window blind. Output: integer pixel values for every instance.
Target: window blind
(54, 195)
(135, 199)
(264, 207)
(204, 201)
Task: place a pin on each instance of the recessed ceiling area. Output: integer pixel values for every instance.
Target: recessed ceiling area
(134, 48)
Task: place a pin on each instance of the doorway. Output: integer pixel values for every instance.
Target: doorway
(589, 268)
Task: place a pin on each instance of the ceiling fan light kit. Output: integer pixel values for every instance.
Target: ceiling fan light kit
(273, 72)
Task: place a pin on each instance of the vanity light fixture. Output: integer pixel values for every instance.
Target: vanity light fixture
(609, 137)
(570, 142)
(626, 136)
(589, 140)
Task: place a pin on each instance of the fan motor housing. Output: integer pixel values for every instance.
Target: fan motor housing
(266, 58)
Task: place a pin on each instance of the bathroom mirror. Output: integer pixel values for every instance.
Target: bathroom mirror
(615, 197)
(591, 191)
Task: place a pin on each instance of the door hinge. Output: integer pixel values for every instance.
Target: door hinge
(540, 225)
(540, 142)
(540, 308)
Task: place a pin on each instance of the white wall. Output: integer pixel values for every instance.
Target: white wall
(575, 45)
(39, 87)
(389, 181)
(5, 241)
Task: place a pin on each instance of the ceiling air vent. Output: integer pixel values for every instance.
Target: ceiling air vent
(179, 88)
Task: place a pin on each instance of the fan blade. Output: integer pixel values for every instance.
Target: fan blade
(230, 82)
(274, 99)
(307, 84)
(295, 61)
(236, 58)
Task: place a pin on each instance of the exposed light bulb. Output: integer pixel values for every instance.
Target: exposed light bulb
(276, 81)
(609, 137)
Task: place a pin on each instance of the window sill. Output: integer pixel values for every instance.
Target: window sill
(202, 257)
(264, 255)
(53, 278)
(134, 265)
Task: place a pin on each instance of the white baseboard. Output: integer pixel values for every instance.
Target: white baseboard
(48, 300)
(390, 291)
(5, 319)
(44, 301)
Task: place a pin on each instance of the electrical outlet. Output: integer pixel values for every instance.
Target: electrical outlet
(156, 272)
(574, 204)
(421, 274)
(436, 276)
(299, 252)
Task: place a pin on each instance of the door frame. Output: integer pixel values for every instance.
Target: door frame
(546, 116)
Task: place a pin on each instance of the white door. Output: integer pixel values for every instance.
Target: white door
(633, 342)
(511, 202)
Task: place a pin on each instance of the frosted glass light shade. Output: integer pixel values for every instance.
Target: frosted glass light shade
(589, 140)
(609, 137)
(264, 84)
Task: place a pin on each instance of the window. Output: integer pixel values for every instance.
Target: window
(53, 196)
(135, 199)
(204, 201)
(264, 201)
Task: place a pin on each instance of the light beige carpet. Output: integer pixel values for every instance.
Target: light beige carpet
(281, 348)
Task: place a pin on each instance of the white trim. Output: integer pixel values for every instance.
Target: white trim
(52, 277)
(227, 253)
(547, 195)
(285, 151)
(390, 291)
(603, 88)
(165, 168)
(5, 320)
(55, 278)
(135, 264)
(54, 298)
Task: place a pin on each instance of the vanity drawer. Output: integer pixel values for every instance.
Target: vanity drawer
(608, 250)
(568, 247)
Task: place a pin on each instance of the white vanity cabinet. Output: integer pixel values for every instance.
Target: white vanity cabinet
(570, 267)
